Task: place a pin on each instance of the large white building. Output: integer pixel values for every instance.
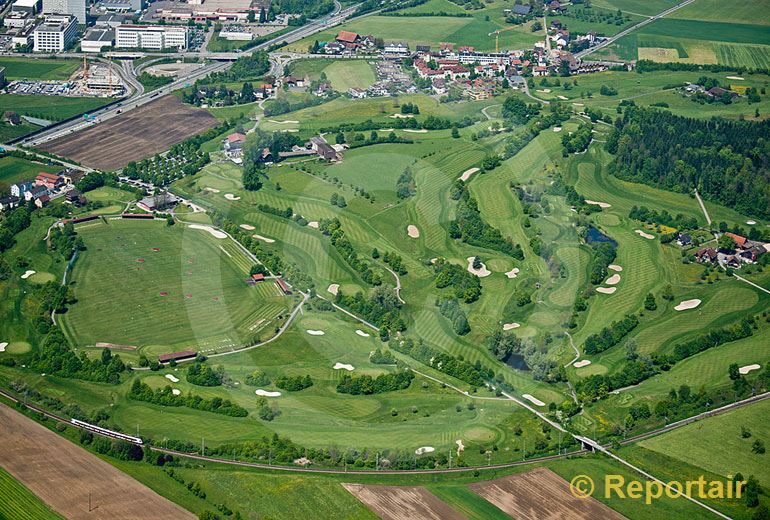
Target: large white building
(151, 37)
(76, 8)
(55, 33)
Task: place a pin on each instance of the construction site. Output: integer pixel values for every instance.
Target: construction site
(92, 79)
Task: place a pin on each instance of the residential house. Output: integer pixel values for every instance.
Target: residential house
(334, 48)
(50, 181)
(42, 201)
(396, 50)
(357, 93)
(21, 188)
(706, 255)
(720, 92)
(74, 197)
(740, 241)
(684, 239)
(294, 81)
(345, 37)
(35, 193)
(7, 203)
(233, 144)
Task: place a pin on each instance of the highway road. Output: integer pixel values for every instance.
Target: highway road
(624, 32)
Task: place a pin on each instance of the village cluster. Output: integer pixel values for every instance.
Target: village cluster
(44, 188)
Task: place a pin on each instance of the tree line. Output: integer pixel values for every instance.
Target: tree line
(367, 385)
(141, 391)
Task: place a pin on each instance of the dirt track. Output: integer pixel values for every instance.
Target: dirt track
(133, 136)
(63, 474)
(541, 494)
(403, 503)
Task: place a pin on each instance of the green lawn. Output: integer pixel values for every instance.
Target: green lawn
(19, 503)
(347, 74)
(53, 108)
(38, 68)
(14, 169)
(190, 293)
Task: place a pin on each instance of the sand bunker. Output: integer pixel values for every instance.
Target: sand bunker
(578, 104)
(544, 90)
(687, 304)
(582, 363)
(315, 332)
(214, 232)
(27, 274)
(212, 190)
(264, 239)
(613, 280)
(401, 116)
(176, 391)
(534, 400)
(334, 288)
(362, 333)
(557, 129)
(287, 122)
(748, 368)
(615, 267)
(247, 227)
(563, 98)
(643, 234)
(424, 449)
(512, 273)
(602, 205)
(230, 196)
(510, 326)
(313, 224)
(3, 345)
(735, 77)
(412, 231)
(481, 272)
(433, 260)
(343, 366)
(751, 222)
(467, 174)
(172, 378)
(420, 131)
(265, 393)
(460, 446)
(606, 290)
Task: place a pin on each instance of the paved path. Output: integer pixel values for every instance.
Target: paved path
(703, 207)
(751, 283)
(577, 352)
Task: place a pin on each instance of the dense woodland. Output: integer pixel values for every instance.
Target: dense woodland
(727, 161)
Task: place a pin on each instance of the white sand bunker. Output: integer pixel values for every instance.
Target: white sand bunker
(176, 391)
(582, 363)
(735, 77)
(467, 174)
(687, 304)
(420, 131)
(643, 234)
(27, 274)
(751, 222)
(613, 280)
(615, 267)
(578, 104)
(412, 231)
(606, 290)
(511, 326)
(512, 273)
(460, 446)
(534, 400)
(563, 98)
(557, 129)
(287, 122)
(3, 345)
(433, 260)
(266, 393)
(214, 232)
(544, 90)
(172, 378)
(748, 368)
(343, 366)
(264, 239)
(424, 449)
(481, 272)
(315, 332)
(212, 190)
(230, 196)
(362, 333)
(313, 224)
(334, 288)
(247, 227)
(603, 205)
(401, 116)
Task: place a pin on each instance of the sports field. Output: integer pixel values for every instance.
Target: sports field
(165, 288)
(344, 75)
(38, 68)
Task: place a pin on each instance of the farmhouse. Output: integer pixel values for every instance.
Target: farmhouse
(177, 356)
(50, 181)
(348, 37)
(258, 277)
(74, 196)
(326, 152)
(233, 144)
(739, 240)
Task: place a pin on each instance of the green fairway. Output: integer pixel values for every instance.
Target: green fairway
(38, 68)
(18, 503)
(189, 293)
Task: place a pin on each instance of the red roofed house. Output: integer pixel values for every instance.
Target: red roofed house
(283, 286)
(234, 142)
(739, 240)
(48, 180)
(347, 37)
(258, 277)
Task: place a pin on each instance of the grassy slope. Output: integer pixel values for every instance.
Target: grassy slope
(19, 503)
(13, 170)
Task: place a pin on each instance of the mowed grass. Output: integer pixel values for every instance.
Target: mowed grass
(38, 68)
(347, 74)
(19, 503)
(15, 169)
(54, 108)
(189, 293)
(730, 11)
(645, 7)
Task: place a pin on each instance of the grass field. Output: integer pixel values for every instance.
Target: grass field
(192, 289)
(344, 75)
(52, 108)
(14, 169)
(38, 68)
(18, 502)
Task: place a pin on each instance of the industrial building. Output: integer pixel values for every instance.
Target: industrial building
(55, 34)
(236, 33)
(97, 39)
(26, 6)
(76, 8)
(155, 37)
